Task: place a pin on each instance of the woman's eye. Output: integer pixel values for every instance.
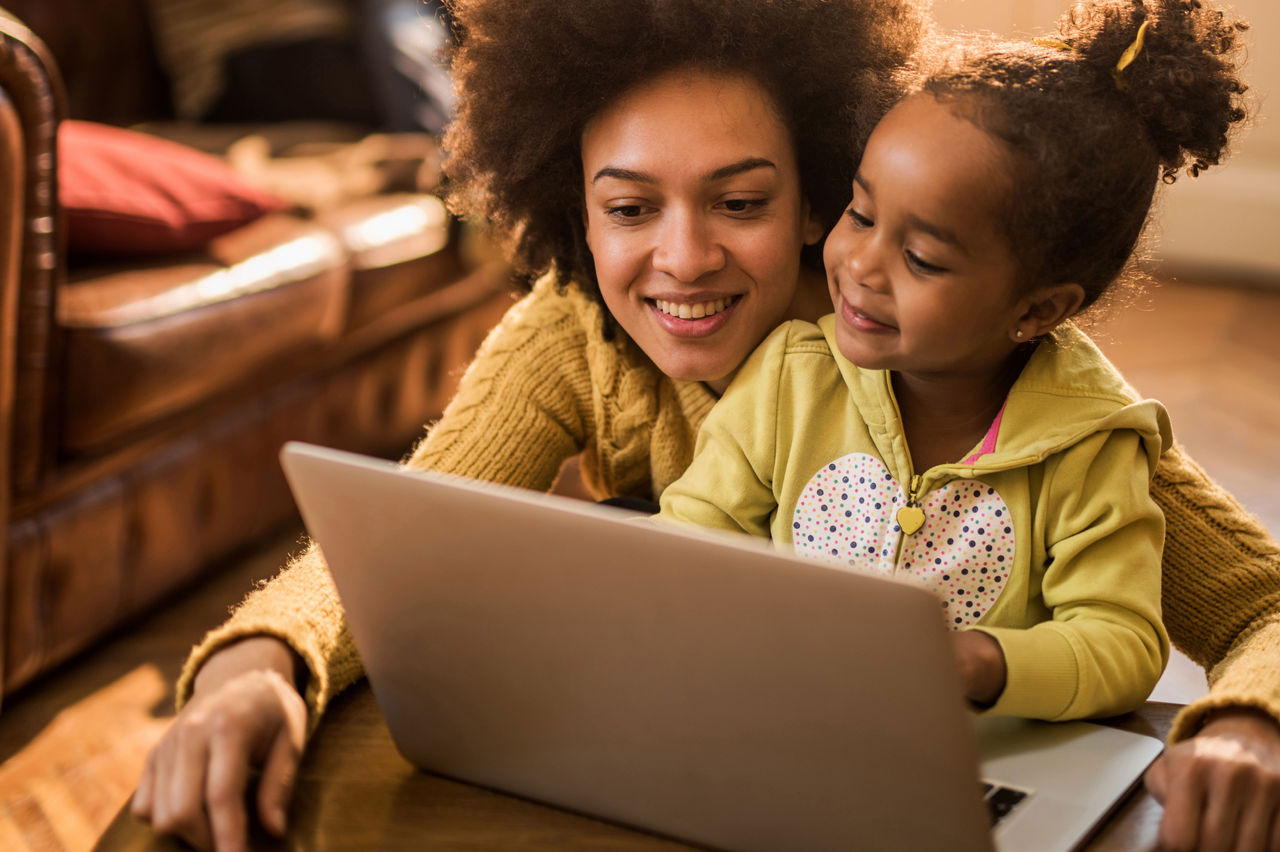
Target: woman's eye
(922, 266)
(743, 205)
(624, 212)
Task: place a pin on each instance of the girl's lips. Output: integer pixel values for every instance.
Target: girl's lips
(691, 328)
(856, 319)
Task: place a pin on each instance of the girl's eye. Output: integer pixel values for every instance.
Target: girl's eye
(858, 220)
(922, 266)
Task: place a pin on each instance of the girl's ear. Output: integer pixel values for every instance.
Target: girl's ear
(813, 227)
(1045, 308)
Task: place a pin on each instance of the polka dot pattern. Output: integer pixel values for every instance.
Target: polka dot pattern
(964, 552)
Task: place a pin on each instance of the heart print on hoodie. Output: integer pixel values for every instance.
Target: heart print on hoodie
(847, 514)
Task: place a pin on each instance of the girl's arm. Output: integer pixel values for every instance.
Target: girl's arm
(1105, 647)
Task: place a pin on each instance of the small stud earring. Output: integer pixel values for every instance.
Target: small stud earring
(1018, 334)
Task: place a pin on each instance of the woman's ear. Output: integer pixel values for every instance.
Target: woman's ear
(1045, 309)
(814, 230)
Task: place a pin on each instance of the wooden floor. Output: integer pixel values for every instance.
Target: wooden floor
(72, 745)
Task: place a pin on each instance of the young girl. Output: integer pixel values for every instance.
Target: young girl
(946, 423)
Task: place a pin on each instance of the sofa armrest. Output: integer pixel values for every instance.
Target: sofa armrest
(32, 252)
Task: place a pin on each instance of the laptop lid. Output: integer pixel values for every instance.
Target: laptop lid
(701, 686)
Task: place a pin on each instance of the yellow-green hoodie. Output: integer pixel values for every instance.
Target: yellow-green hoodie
(1045, 536)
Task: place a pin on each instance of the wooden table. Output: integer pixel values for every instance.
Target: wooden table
(355, 792)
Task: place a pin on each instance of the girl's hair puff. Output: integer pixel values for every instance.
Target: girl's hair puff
(531, 74)
(1090, 142)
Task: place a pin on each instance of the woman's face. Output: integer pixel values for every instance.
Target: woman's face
(695, 218)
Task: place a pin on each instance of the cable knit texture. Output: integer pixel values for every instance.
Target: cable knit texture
(546, 385)
(1220, 593)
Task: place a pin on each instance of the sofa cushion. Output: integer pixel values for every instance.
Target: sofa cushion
(148, 341)
(397, 248)
(128, 193)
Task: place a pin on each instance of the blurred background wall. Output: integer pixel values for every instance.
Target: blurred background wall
(1226, 223)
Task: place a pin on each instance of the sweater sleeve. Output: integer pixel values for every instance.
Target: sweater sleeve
(1105, 647)
(729, 483)
(522, 408)
(1221, 592)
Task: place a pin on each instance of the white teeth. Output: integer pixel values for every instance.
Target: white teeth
(698, 310)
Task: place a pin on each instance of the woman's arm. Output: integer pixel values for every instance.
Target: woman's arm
(523, 406)
(1220, 777)
(1221, 591)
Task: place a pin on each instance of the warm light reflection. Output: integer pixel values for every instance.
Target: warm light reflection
(83, 766)
(295, 260)
(409, 231)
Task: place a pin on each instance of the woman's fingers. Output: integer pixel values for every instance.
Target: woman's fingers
(140, 805)
(280, 768)
(225, 784)
(179, 805)
(196, 778)
(1257, 816)
(1221, 788)
(1182, 792)
(1226, 786)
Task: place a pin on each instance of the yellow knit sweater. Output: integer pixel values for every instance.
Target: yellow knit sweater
(546, 385)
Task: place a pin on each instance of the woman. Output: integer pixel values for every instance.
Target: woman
(671, 167)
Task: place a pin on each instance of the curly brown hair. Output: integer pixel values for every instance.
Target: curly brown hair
(531, 74)
(1089, 142)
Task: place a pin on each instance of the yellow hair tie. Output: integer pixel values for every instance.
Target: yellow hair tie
(1052, 42)
(1130, 53)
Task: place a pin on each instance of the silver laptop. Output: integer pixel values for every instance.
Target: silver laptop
(702, 686)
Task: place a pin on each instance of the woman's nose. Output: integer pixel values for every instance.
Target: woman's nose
(688, 247)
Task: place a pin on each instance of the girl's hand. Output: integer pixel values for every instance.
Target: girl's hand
(245, 712)
(982, 666)
(1221, 788)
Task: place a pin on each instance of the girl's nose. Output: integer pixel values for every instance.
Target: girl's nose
(865, 265)
(687, 247)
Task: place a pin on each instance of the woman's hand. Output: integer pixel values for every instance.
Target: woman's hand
(245, 712)
(1221, 788)
(982, 666)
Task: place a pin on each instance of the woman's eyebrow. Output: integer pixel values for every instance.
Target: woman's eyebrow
(746, 164)
(623, 174)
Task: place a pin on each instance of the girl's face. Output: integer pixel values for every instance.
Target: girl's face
(922, 278)
(695, 219)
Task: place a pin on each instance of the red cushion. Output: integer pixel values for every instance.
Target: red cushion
(129, 193)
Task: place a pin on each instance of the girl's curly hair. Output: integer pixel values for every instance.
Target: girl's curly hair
(531, 74)
(1089, 141)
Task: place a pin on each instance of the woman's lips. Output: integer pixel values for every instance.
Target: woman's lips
(692, 325)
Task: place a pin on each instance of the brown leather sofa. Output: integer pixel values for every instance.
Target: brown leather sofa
(144, 400)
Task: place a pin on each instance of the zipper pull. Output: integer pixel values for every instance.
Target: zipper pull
(911, 516)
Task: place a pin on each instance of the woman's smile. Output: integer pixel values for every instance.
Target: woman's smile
(695, 219)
